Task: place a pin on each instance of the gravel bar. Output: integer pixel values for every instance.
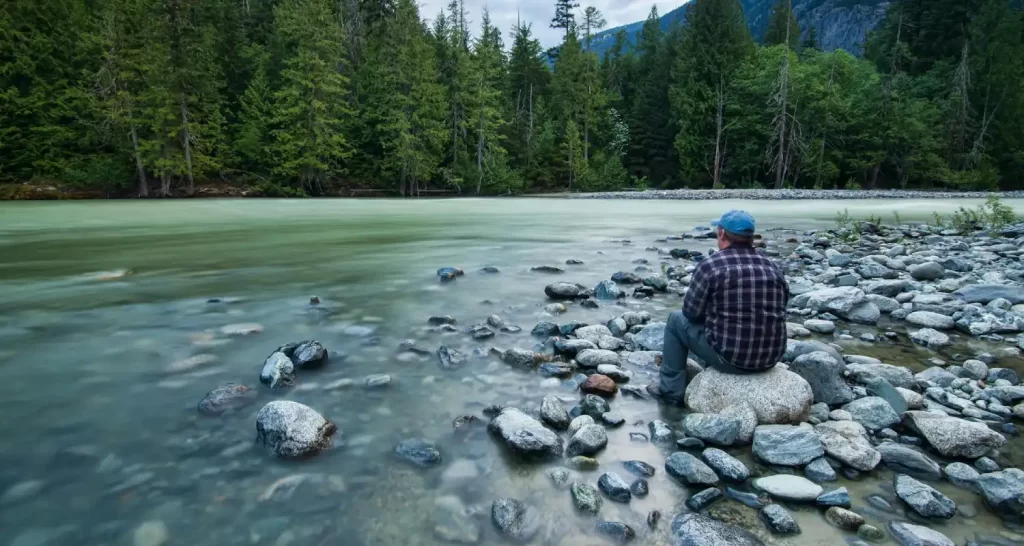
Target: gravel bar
(795, 194)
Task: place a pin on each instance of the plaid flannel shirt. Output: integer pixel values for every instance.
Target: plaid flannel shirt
(740, 296)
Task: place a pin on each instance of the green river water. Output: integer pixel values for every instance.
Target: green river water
(101, 302)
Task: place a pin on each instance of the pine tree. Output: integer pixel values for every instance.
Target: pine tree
(810, 40)
(783, 27)
(565, 16)
(593, 21)
(485, 103)
(310, 105)
(255, 119)
(528, 79)
(715, 44)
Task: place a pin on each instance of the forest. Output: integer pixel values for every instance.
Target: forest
(156, 98)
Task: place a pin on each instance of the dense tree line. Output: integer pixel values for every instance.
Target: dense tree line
(152, 97)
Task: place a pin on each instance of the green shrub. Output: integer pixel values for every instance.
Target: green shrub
(267, 188)
(843, 219)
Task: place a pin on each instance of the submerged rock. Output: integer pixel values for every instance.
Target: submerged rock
(779, 521)
(909, 534)
(450, 359)
(418, 452)
(699, 530)
(585, 498)
(1003, 491)
(278, 371)
(524, 435)
(290, 429)
(616, 531)
(514, 519)
(589, 440)
(612, 485)
(227, 399)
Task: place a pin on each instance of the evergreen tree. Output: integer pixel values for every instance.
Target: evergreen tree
(255, 118)
(593, 20)
(810, 40)
(485, 111)
(783, 27)
(528, 78)
(310, 105)
(565, 16)
(715, 44)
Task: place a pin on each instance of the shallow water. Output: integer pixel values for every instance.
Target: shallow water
(101, 301)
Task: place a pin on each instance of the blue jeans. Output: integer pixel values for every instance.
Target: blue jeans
(681, 338)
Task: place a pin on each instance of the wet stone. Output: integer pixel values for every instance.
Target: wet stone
(639, 468)
(698, 530)
(908, 534)
(778, 520)
(962, 475)
(586, 498)
(660, 432)
(579, 422)
(923, 499)
(871, 533)
(561, 477)
(726, 465)
(690, 470)
(612, 419)
(705, 498)
(418, 452)
(786, 445)
(789, 488)
(907, 460)
(593, 406)
(820, 471)
(712, 428)
(589, 440)
(837, 497)
(514, 519)
(639, 487)
(614, 487)
(616, 531)
(689, 443)
(228, 398)
(844, 519)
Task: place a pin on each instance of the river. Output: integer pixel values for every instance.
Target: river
(102, 302)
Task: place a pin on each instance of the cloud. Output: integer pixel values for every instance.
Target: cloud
(540, 12)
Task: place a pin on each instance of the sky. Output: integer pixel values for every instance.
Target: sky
(540, 12)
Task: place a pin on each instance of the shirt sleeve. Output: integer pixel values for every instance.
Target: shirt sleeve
(695, 303)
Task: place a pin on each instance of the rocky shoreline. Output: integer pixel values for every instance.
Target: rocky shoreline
(796, 194)
(822, 415)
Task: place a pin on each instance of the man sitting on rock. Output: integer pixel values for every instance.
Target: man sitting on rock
(734, 314)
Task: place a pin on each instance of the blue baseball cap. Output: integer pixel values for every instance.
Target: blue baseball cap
(737, 222)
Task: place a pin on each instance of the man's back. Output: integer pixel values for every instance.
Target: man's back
(741, 296)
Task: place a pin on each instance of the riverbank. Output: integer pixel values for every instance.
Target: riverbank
(797, 194)
(416, 368)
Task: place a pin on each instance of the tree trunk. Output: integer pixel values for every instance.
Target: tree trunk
(586, 129)
(570, 165)
(780, 163)
(480, 154)
(716, 175)
(165, 177)
(143, 183)
(529, 133)
(186, 144)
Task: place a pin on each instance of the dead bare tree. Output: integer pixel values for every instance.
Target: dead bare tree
(780, 99)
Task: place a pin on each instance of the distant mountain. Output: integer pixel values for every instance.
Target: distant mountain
(840, 24)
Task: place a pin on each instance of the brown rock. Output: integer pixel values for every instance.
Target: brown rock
(601, 385)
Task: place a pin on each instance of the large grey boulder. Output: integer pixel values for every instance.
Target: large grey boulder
(553, 413)
(515, 519)
(777, 396)
(928, 271)
(562, 291)
(1003, 491)
(872, 412)
(689, 469)
(907, 460)
(984, 293)
(786, 445)
(928, 319)
(291, 429)
(922, 498)
(524, 435)
(953, 437)
(694, 529)
(847, 442)
(825, 376)
(652, 337)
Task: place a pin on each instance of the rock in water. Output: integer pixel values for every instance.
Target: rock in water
(593, 358)
(928, 271)
(450, 359)
(589, 440)
(725, 465)
(515, 520)
(712, 428)
(454, 522)
(984, 293)
(933, 339)
(962, 475)
(524, 435)
(226, 399)
(777, 396)
(820, 471)
(844, 519)
(908, 534)
(585, 498)
(579, 422)
(928, 319)
(661, 433)
(786, 445)
(779, 521)
(953, 437)
(418, 452)
(612, 485)
(847, 442)
(150, 533)
(872, 412)
(907, 460)
(789, 488)
(519, 358)
(278, 371)
(308, 355)
(562, 291)
(290, 429)
(594, 406)
(697, 530)
(925, 500)
(639, 487)
(837, 497)
(601, 385)
(1004, 492)
(608, 290)
(616, 531)
(705, 498)
(880, 387)
(825, 376)
(553, 413)
(689, 469)
(639, 468)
